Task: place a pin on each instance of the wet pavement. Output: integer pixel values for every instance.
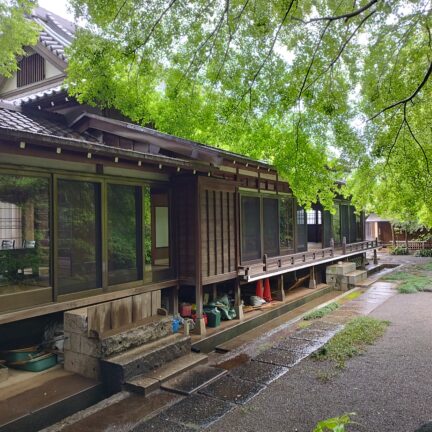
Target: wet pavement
(252, 370)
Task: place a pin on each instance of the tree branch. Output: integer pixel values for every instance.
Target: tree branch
(409, 98)
(345, 16)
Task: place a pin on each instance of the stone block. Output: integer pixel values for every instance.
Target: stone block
(4, 373)
(331, 279)
(82, 364)
(356, 276)
(340, 268)
(90, 347)
(116, 343)
(75, 321)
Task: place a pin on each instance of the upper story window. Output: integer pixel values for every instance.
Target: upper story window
(31, 69)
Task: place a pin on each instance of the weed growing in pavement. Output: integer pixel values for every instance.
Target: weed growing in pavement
(411, 283)
(319, 313)
(335, 424)
(353, 295)
(352, 340)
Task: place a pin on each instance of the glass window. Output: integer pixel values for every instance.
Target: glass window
(359, 227)
(250, 229)
(319, 217)
(310, 216)
(79, 236)
(24, 234)
(271, 226)
(336, 225)
(157, 230)
(286, 224)
(301, 229)
(124, 234)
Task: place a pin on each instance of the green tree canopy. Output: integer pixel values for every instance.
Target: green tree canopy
(324, 89)
(16, 31)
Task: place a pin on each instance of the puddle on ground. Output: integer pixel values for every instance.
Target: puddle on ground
(234, 361)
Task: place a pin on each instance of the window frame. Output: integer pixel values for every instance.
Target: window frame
(261, 197)
(32, 299)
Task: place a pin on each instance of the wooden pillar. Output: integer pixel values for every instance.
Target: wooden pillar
(200, 327)
(312, 280)
(280, 292)
(238, 302)
(375, 258)
(344, 242)
(174, 304)
(214, 295)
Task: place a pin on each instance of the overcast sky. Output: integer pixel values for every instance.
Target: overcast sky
(59, 7)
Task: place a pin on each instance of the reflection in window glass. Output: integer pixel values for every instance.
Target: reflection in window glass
(336, 224)
(286, 223)
(359, 227)
(250, 230)
(79, 257)
(271, 226)
(24, 233)
(124, 234)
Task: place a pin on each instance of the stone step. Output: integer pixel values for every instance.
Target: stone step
(120, 368)
(192, 380)
(354, 277)
(146, 383)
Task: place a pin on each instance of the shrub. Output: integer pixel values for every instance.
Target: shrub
(423, 253)
(335, 424)
(399, 250)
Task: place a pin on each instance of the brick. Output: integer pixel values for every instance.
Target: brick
(75, 321)
(82, 364)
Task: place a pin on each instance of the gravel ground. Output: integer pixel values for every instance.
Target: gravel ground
(389, 387)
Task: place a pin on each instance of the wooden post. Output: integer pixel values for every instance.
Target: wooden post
(280, 292)
(312, 280)
(174, 306)
(332, 243)
(375, 259)
(214, 295)
(343, 245)
(238, 302)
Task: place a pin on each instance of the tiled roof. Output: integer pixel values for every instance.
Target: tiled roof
(15, 120)
(42, 94)
(57, 33)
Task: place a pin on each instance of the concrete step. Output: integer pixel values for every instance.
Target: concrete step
(146, 383)
(120, 368)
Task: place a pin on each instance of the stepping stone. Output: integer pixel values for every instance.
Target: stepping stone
(281, 357)
(232, 389)
(313, 335)
(298, 345)
(255, 371)
(196, 409)
(159, 424)
(322, 325)
(192, 380)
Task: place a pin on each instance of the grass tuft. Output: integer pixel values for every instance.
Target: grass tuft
(411, 283)
(353, 295)
(319, 313)
(352, 340)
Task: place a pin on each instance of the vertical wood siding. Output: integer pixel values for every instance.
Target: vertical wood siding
(217, 231)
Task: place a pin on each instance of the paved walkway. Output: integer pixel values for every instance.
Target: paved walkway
(250, 396)
(389, 387)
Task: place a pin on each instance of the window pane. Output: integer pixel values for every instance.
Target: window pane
(24, 234)
(301, 229)
(79, 257)
(157, 233)
(124, 234)
(311, 220)
(251, 229)
(286, 224)
(271, 226)
(336, 225)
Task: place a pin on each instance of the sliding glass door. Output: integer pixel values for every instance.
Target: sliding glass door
(79, 236)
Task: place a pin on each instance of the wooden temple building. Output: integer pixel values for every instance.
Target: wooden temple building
(96, 210)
